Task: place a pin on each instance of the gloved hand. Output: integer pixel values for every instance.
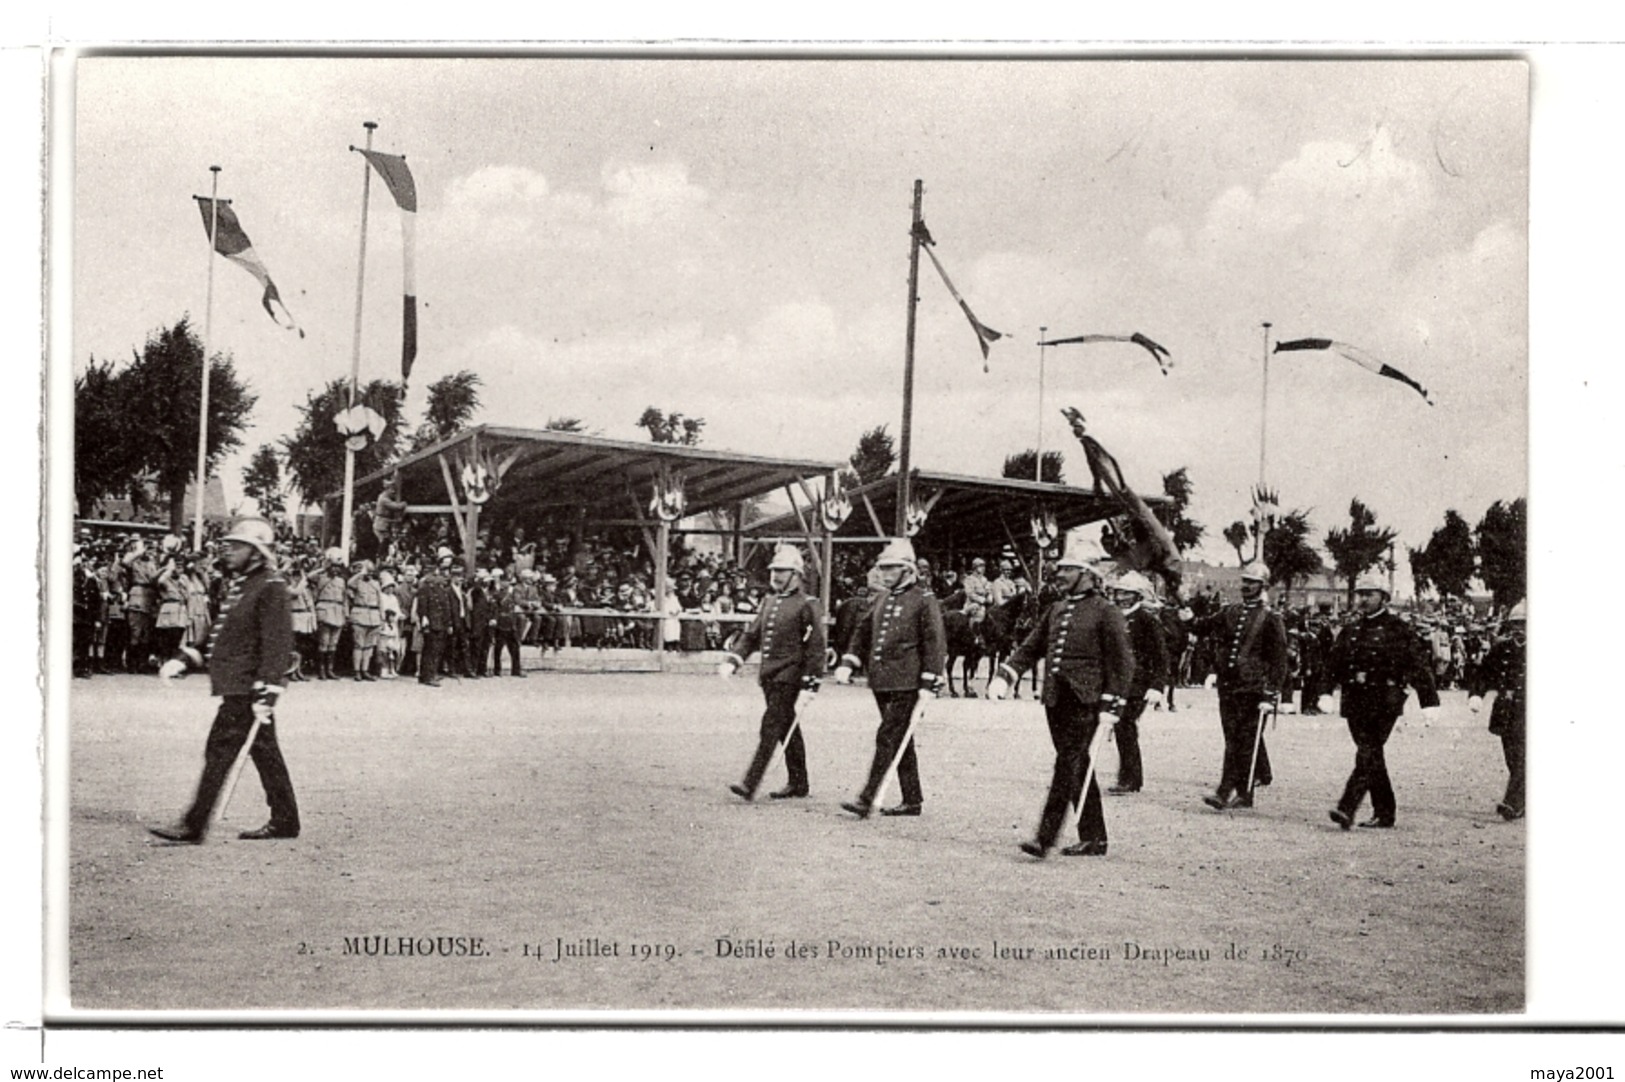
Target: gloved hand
(998, 688)
(265, 697)
(171, 669)
(1475, 703)
(1109, 719)
(725, 669)
(843, 674)
(1186, 614)
(1326, 704)
(1153, 696)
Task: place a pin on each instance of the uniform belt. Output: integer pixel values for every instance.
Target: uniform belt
(364, 607)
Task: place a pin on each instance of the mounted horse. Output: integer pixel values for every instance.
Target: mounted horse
(1003, 629)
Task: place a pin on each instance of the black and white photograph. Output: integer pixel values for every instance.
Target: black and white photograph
(708, 536)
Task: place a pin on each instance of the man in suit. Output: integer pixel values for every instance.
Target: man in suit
(248, 653)
(1373, 660)
(1088, 662)
(1250, 649)
(901, 644)
(789, 631)
(1134, 595)
(1502, 672)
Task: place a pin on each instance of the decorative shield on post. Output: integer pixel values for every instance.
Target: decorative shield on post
(836, 506)
(360, 425)
(1266, 508)
(479, 480)
(668, 500)
(918, 512)
(1044, 529)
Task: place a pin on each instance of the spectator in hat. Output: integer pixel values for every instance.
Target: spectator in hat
(364, 602)
(332, 612)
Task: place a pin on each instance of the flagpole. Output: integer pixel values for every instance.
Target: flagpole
(355, 344)
(1038, 452)
(1263, 437)
(208, 327)
(903, 465)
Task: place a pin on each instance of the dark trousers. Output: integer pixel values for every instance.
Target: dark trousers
(434, 648)
(1370, 730)
(231, 727)
(1512, 748)
(84, 637)
(506, 639)
(1072, 725)
(776, 721)
(1130, 773)
(480, 638)
(896, 707)
(1239, 718)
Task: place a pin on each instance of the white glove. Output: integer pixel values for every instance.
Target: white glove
(1186, 614)
(1326, 704)
(1108, 720)
(172, 668)
(725, 669)
(1475, 703)
(262, 711)
(1153, 696)
(843, 674)
(1430, 713)
(998, 688)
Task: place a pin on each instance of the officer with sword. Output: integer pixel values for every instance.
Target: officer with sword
(248, 655)
(1088, 663)
(900, 643)
(789, 631)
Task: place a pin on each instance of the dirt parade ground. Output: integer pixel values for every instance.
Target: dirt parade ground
(568, 842)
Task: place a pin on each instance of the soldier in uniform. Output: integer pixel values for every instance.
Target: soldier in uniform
(1083, 640)
(508, 619)
(248, 653)
(436, 613)
(901, 644)
(978, 593)
(141, 604)
(331, 590)
(88, 601)
(482, 622)
(789, 631)
(1252, 660)
(1134, 594)
(365, 602)
(1374, 659)
(1502, 672)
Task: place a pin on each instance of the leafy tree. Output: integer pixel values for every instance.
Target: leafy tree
(672, 427)
(452, 402)
(1287, 552)
(1238, 534)
(1447, 561)
(103, 463)
(1019, 466)
(146, 417)
(262, 481)
(315, 451)
(1421, 574)
(1503, 551)
(874, 458)
(1186, 532)
(1360, 547)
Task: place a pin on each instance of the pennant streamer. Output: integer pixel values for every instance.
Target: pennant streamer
(1358, 356)
(231, 242)
(985, 335)
(398, 178)
(1163, 358)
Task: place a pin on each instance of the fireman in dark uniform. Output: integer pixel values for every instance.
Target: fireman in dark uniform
(1133, 594)
(1088, 663)
(1250, 643)
(248, 655)
(789, 631)
(1374, 659)
(1502, 672)
(901, 644)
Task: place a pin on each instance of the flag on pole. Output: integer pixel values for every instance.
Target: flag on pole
(985, 335)
(1146, 543)
(1159, 354)
(1358, 356)
(231, 242)
(398, 178)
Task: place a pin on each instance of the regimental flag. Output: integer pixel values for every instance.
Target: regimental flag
(1145, 544)
(1163, 358)
(985, 335)
(1358, 356)
(392, 167)
(231, 242)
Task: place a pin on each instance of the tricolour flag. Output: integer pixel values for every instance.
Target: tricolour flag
(231, 242)
(985, 335)
(1358, 356)
(392, 167)
(1159, 354)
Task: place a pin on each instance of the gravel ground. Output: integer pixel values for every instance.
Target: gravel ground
(567, 843)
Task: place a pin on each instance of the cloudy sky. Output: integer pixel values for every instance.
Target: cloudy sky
(729, 238)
